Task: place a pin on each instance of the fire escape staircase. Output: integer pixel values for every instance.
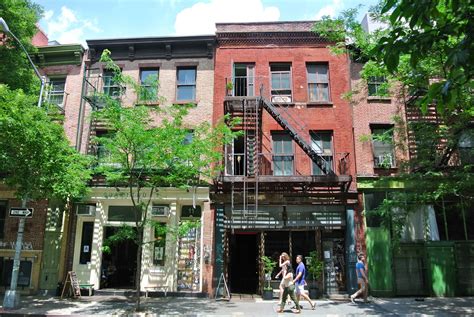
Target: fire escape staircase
(285, 124)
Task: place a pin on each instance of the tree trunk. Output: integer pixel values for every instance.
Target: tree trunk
(139, 267)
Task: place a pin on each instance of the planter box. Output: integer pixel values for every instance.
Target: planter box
(267, 295)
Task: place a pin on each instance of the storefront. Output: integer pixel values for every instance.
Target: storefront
(169, 259)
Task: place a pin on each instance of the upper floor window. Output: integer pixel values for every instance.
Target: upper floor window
(56, 91)
(244, 81)
(382, 143)
(283, 156)
(321, 143)
(318, 82)
(377, 86)
(111, 87)
(149, 84)
(466, 146)
(186, 84)
(281, 82)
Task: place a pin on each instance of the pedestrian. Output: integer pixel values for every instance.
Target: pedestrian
(300, 281)
(361, 279)
(283, 262)
(289, 290)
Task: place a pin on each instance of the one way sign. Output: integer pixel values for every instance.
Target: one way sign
(21, 212)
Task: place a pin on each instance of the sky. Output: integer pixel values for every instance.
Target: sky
(74, 21)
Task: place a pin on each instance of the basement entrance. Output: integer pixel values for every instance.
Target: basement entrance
(119, 265)
(244, 262)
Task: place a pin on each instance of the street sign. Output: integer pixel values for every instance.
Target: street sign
(21, 212)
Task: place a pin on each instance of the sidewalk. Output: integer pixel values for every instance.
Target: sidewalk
(179, 306)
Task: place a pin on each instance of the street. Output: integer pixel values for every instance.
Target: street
(181, 306)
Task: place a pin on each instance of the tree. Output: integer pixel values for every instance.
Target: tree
(425, 52)
(21, 16)
(144, 155)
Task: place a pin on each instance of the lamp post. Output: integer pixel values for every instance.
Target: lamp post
(4, 28)
(12, 297)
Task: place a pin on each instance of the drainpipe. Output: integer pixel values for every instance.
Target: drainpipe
(80, 119)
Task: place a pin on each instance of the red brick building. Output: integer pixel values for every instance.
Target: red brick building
(287, 180)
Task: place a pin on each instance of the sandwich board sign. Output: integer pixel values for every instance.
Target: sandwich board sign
(21, 212)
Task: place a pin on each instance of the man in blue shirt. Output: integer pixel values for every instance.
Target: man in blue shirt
(300, 282)
(361, 279)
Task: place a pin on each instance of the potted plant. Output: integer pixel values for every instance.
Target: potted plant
(268, 266)
(230, 87)
(315, 268)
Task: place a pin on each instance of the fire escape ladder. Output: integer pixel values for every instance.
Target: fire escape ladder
(283, 122)
(250, 181)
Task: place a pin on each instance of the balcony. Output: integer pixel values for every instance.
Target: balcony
(57, 98)
(99, 88)
(288, 168)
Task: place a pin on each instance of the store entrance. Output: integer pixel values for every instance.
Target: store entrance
(244, 263)
(119, 265)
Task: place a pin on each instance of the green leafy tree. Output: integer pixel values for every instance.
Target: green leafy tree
(425, 52)
(15, 70)
(143, 154)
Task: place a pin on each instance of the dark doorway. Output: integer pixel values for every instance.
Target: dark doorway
(119, 265)
(243, 263)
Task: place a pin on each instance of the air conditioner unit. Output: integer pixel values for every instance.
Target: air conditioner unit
(85, 210)
(159, 210)
(278, 99)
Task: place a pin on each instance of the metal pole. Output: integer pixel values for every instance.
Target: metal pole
(12, 298)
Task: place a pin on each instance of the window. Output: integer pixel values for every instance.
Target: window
(282, 154)
(372, 201)
(121, 213)
(244, 80)
(318, 82)
(149, 84)
(86, 242)
(24, 274)
(103, 155)
(466, 146)
(321, 142)
(382, 143)
(281, 82)
(111, 87)
(3, 214)
(188, 138)
(186, 86)
(377, 86)
(159, 246)
(56, 91)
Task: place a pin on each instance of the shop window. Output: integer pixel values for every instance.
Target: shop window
(321, 142)
(56, 93)
(283, 156)
(383, 147)
(186, 84)
(377, 86)
(159, 246)
(86, 242)
(24, 274)
(318, 82)
(149, 84)
(371, 202)
(281, 82)
(3, 214)
(122, 213)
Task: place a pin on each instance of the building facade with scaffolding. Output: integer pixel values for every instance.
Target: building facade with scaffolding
(287, 182)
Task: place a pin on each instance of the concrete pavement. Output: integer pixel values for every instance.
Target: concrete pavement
(179, 306)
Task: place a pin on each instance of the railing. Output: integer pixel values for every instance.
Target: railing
(285, 164)
(384, 161)
(58, 98)
(97, 87)
(250, 86)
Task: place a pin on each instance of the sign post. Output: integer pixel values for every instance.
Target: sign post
(12, 297)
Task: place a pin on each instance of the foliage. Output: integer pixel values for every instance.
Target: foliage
(35, 156)
(152, 147)
(314, 265)
(426, 49)
(268, 266)
(21, 17)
